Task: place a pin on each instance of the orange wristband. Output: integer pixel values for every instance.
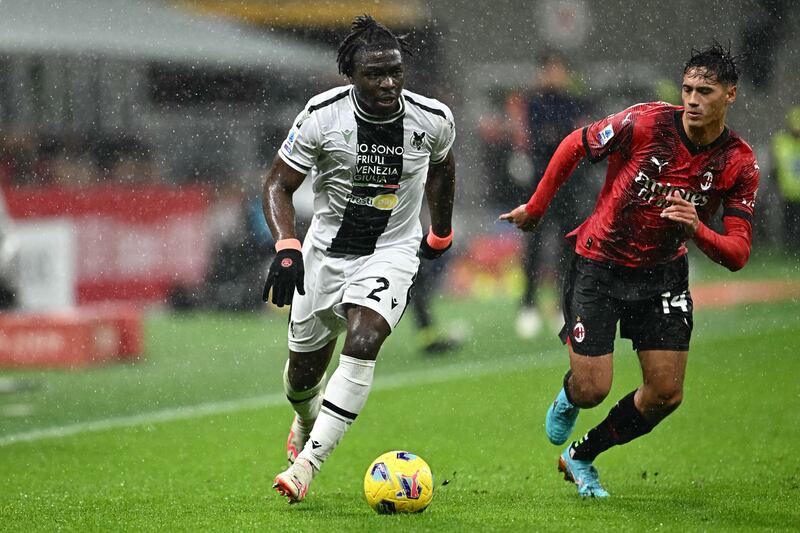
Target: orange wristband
(291, 244)
(439, 243)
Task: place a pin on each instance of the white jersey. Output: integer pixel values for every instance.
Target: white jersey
(368, 173)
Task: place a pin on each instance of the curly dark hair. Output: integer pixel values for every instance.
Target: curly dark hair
(366, 33)
(717, 62)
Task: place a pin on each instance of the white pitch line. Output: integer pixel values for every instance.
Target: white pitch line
(547, 358)
(164, 415)
(402, 379)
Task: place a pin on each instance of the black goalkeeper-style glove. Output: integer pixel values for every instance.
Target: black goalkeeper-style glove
(285, 274)
(426, 251)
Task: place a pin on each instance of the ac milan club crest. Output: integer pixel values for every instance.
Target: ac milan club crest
(708, 177)
(579, 332)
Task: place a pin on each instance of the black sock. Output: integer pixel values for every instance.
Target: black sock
(566, 386)
(623, 424)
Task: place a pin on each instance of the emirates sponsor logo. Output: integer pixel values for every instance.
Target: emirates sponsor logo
(655, 192)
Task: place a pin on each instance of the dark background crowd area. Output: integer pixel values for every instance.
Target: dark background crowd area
(31, 159)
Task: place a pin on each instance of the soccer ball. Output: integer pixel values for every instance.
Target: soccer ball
(398, 482)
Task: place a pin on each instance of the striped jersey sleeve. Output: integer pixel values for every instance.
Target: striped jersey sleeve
(445, 138)
(742, 199)
(301, 147)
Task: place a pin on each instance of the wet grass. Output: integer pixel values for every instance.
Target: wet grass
(727, 459)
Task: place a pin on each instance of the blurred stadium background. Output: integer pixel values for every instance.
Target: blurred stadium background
(196, 95)
(134, 137)
(109, 102)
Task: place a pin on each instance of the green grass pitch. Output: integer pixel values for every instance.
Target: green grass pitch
(190, 438)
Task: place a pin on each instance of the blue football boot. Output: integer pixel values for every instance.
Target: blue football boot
(560, 419)
(583, 474)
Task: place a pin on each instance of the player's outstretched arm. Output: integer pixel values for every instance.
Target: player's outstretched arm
(731, 249)
(566, 157)
(286, 272)
(440, 189)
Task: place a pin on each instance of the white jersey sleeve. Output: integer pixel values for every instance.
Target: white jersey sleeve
(301, 147)
(444, 139)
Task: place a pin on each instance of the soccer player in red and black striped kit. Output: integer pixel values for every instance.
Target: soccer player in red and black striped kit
(669, 170)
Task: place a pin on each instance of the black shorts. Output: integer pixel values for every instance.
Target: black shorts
(652, 305)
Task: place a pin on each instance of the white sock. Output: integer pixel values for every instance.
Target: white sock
(345, 396)
(305, 403)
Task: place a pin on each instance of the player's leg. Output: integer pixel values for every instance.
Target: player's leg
(661, 392)
(304, 384)
(344, 397)
(623, 424)
(588, 381)
(590, 318)
(590, 322)
(311, 340)
(660, 329)
(371, 303)
(349, 385)
(312, 332)
(638, 412)
(586, 385)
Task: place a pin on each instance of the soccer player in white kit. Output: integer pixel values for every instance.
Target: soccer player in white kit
(371, 150)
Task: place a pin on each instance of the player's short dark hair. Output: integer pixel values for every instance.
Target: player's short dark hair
(368, 34)
(717, 62)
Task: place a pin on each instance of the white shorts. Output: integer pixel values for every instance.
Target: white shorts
(380, 281)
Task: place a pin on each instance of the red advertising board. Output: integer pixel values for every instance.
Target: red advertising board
(132, 244)
(71, 339)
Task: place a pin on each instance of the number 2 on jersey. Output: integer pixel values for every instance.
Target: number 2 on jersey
(383, 284)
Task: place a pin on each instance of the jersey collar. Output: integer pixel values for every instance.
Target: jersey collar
(360, 113)
(693, 148)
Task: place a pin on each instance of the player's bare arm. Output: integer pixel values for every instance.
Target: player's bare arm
(286, 271)
(440, 191)
(279, 186)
